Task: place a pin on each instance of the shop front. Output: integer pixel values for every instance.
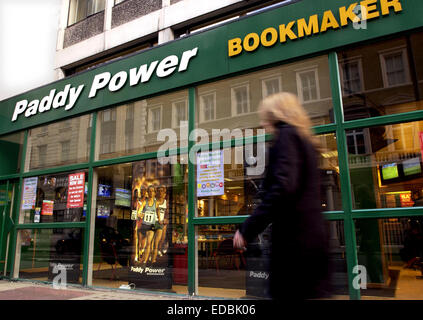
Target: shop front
(138, 172)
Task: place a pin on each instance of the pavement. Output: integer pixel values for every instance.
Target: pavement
(26, 290)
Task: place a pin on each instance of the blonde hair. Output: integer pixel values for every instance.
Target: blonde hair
(286, 107)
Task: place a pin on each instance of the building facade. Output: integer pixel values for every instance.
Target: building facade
(136, 166)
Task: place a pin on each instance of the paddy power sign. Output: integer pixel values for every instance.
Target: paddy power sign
(135, 76)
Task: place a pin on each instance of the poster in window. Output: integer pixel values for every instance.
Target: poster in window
(76, 190)
(29, 193)
(47, 208)
(150, 264)
(210, 174)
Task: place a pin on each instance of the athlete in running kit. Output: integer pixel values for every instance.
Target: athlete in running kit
(139, 240)
(149, 220)
(160, 225)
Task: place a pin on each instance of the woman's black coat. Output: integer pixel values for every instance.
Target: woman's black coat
(291, 202)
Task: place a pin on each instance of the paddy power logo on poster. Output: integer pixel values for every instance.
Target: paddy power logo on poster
(314, 24)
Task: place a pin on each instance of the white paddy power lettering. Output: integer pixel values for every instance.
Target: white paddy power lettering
(69, 95)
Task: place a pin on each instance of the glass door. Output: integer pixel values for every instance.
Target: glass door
(7, 194)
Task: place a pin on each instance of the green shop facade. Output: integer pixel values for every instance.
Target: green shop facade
(96, 188)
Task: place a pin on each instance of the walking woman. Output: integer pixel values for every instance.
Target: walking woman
(299, 265)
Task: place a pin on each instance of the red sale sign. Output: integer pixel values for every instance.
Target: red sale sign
(76, 189)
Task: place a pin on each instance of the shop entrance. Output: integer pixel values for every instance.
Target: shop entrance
(8, 194)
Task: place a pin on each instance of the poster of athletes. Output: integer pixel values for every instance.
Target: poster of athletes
(150, 215)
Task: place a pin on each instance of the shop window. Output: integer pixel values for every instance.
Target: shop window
(180, 112)
(240, 99)
(140, 126)
(81, 9)
(233, 103)
(308, 85)
(54, 198)
(58, 144)
(230, 273)
(141, 226)
(10, 157)
(390, 73)
(352, 76)
(389, 253)
(395, 69)
(229, 181)
(46, 254)
(386, 172)
(271, 86)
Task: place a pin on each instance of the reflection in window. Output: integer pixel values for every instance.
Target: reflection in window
(391, 77)
(154, 118)
(58, 144)
(271, 86)
(180, 112)
(308, 85)
(233, 103)
(351, 75)
(208, 102)
(40, 252)
(329, 174)
(133, 128)
(391, 251)
(395, 68)
(386, 166)
(240, 99)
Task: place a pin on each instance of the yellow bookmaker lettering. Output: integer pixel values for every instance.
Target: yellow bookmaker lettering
(314, 24)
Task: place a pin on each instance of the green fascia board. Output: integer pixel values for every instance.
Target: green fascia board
(212, 60)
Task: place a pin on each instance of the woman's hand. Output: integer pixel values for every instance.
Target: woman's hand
(239, 241)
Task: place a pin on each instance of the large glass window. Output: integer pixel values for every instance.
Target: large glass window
(137, 127)
(233, 103)
(390, 251)
(382, 78)
(229, 181)
(80, 9)
(54, 198)
(222, 270)
(386, 165)
(10, 157)
(141, 226)
(60, 143)
(49, 255)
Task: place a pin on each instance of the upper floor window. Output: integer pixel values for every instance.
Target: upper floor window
(395, 68)
(81, 9)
